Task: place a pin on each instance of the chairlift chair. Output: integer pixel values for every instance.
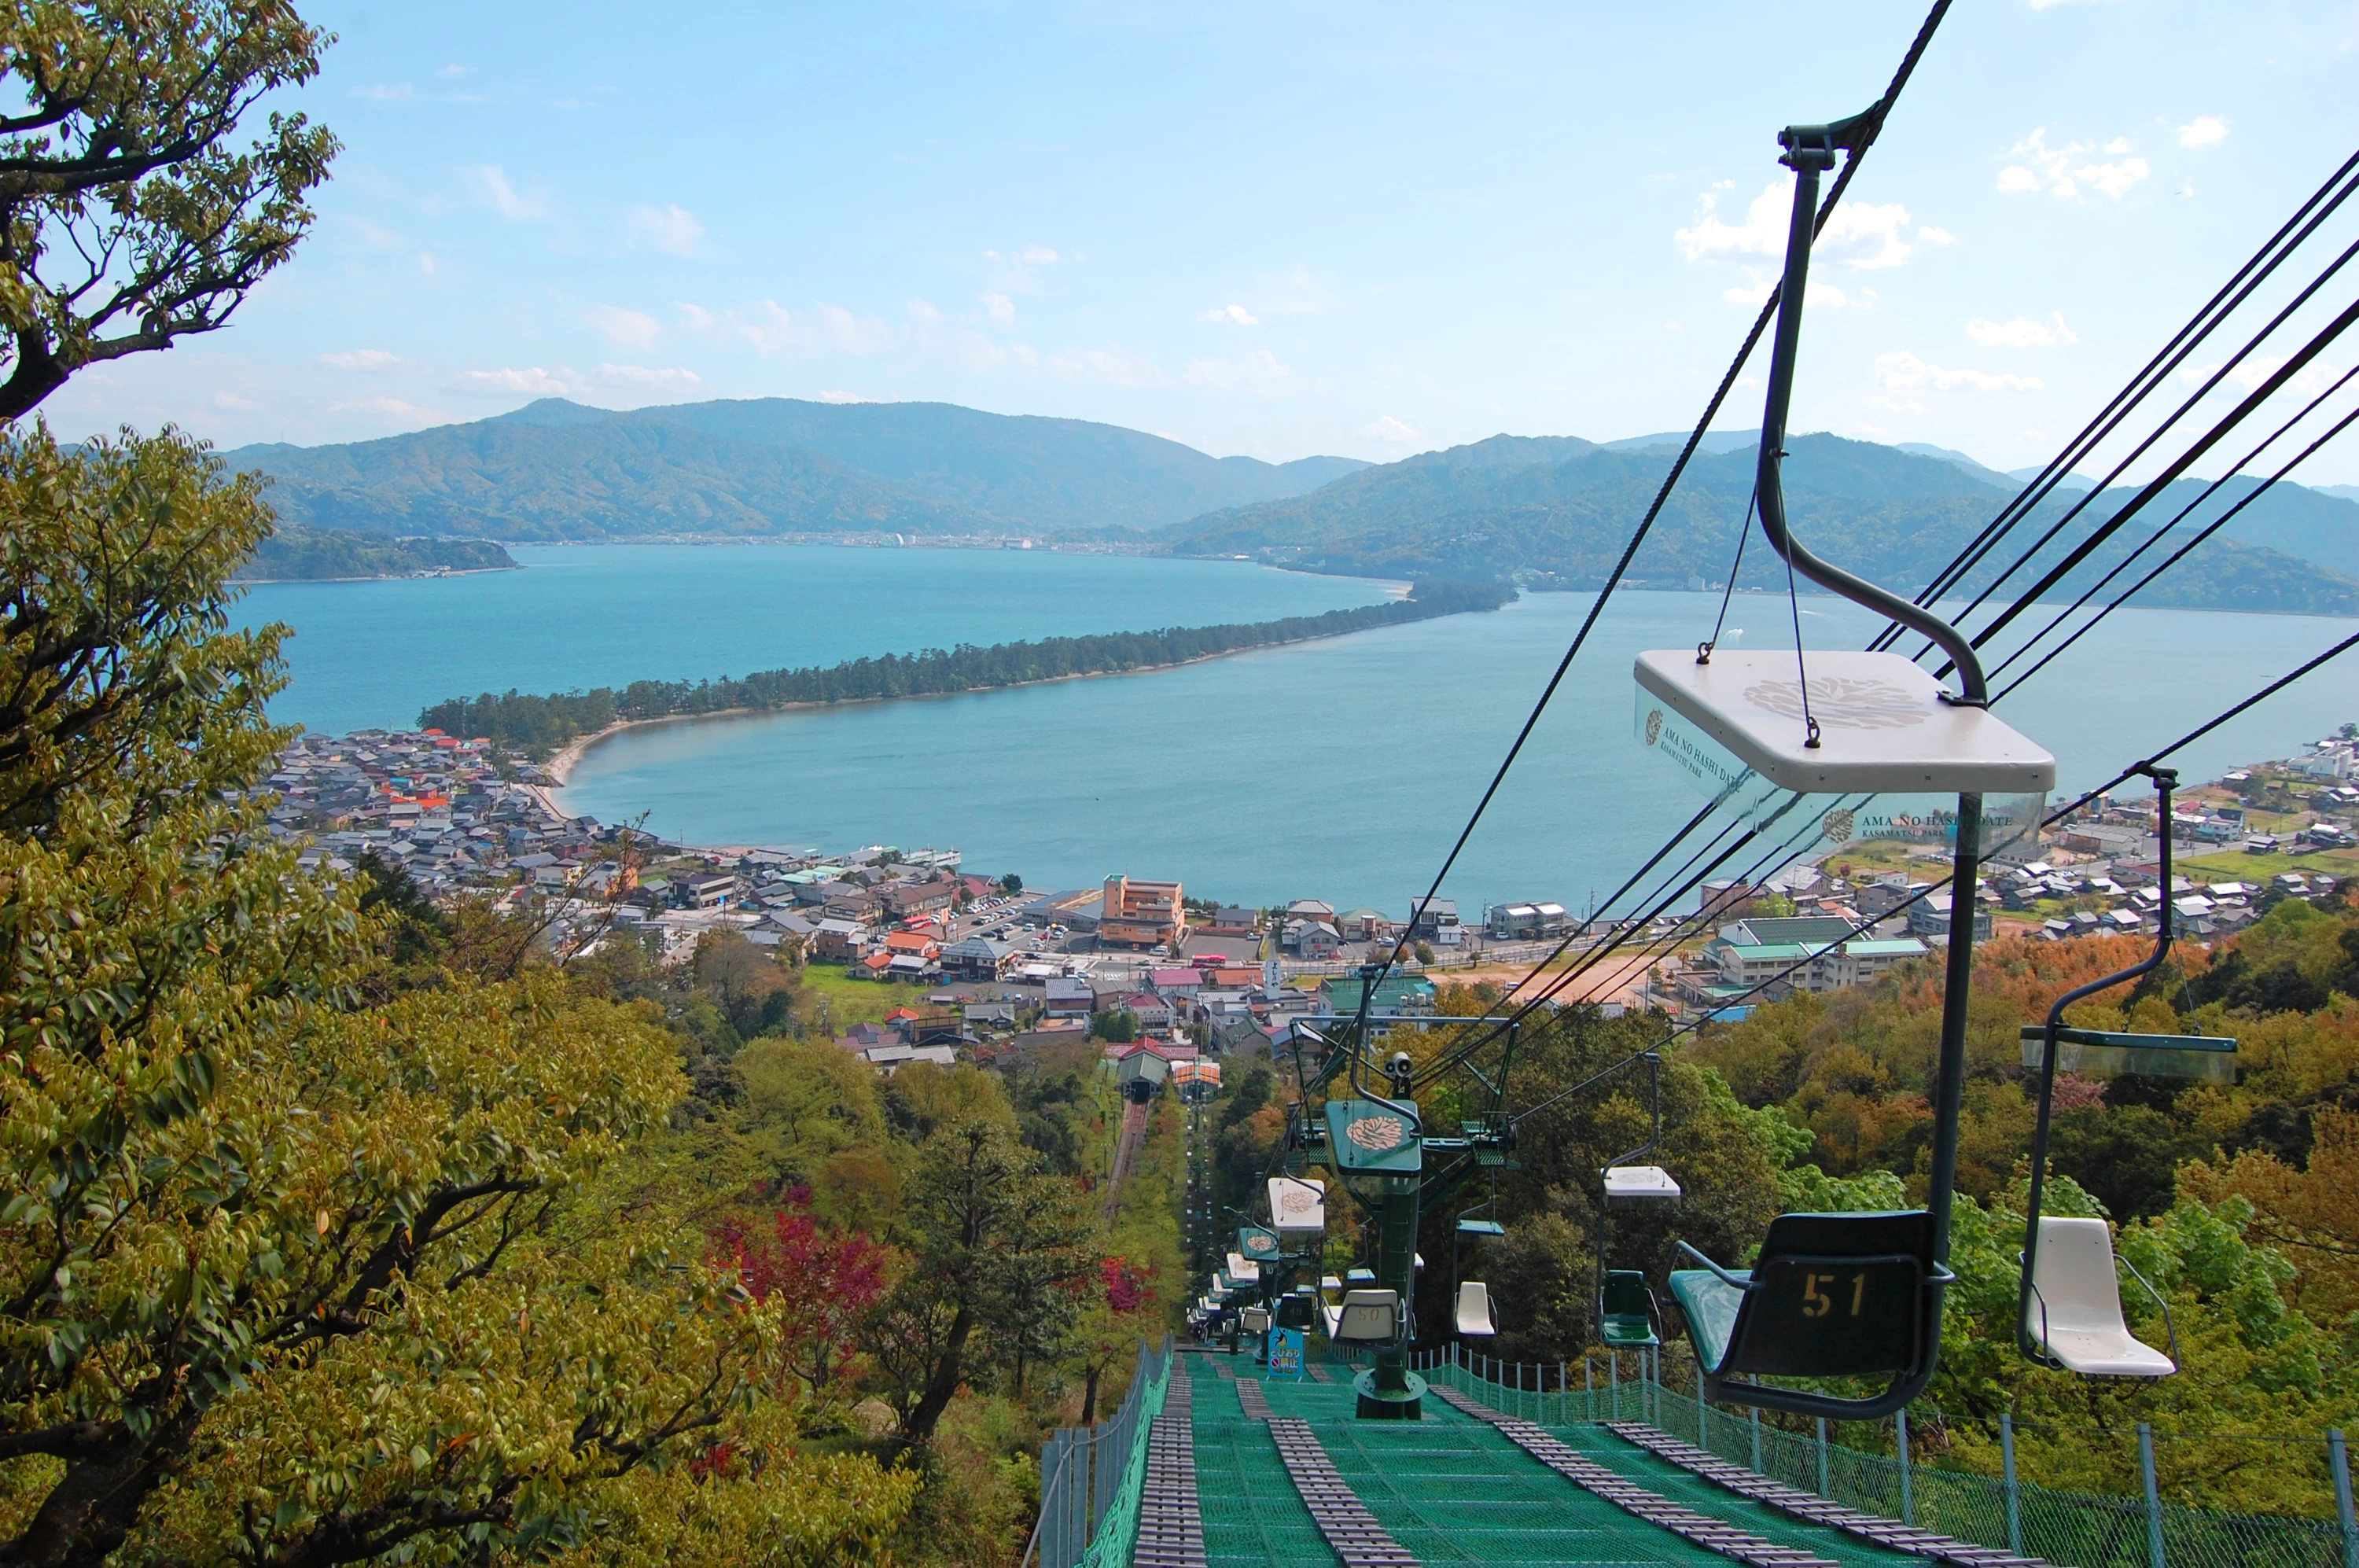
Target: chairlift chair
(2070, 1298)
(1477, 1317)
(1627, 1320)
(1369, 1317)
(1798, 742)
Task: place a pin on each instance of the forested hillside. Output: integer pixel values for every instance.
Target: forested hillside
(556, 470)
(1560, 510)
(294, 553)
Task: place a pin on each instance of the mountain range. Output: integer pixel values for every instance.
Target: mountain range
(1557, 510)
(554, 470)
(1552, 511)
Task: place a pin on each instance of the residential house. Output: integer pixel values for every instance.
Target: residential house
(919, 899)
(1863, 958)
(1067, 997)
(1436, 920)
(1180, 985)
(1365, 925)
(1316, 940)
(1232, 921)
(1528, 922)
(1152, 1011)
(706, 890)
(976, 958)
(839, 941)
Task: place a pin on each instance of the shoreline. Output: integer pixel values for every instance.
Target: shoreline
(375, 577)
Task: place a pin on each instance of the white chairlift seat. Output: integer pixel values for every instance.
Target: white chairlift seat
(2075, 1311)
(1243, 1268)
(1883, 726)
(1255, 1320)
(1477, 1313)
(1369, 1316)
(1639, 1182)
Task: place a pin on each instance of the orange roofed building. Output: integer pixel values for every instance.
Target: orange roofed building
(1141, 914)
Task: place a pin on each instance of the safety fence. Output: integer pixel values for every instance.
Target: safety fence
(1091, 1477)
(2075, 1530)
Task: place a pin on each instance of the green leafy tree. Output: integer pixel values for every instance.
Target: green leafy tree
(993, 1243)
(288, 1276)
(129, 216)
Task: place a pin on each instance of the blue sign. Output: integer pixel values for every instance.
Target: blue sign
(1286, 1353)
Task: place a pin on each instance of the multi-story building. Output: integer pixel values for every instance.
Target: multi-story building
(1141, 914)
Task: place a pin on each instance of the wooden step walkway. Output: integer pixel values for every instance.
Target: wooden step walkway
(1714, 1535)
(1341, 1517)
(1813, 1509)
(1170, 1523)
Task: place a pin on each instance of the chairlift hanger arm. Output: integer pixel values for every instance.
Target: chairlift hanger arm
(1809, 152)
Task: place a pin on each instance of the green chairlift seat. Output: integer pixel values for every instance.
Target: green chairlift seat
(1628, 1320)
(1831, 1295)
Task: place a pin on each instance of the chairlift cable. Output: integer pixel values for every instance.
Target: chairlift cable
(2201, 535)
(2317, 344)
(2153, 374)
(2124, 777)
(1743, 532)
(1873, 127)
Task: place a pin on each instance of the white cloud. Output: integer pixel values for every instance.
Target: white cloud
(2022, 333)
(1258, 370)
(1863, 237)
(2311, 380)
(425, 261)
(1001, 308)
(672, 230)
(1232, 315)
(1395, 432)
(361, 359)
(766, 325)
(647, 375)
(539, 383)
(491, 182)
(452, 70)
(1106, 367)
(2203, 131)
(393, 406)
(387, 91)
(853, 334)
(1929, 235)
(1030, 255)
(1904, 371)
(2062, 171)
(225, 398)
(842, 398)
(634, 329)
(924, 310)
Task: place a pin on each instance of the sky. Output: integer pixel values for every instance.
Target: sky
(1275, 229)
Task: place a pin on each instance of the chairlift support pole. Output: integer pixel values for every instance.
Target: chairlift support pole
(1809, 152)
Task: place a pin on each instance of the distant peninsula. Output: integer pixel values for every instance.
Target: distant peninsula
(295, 553)
(540, 724)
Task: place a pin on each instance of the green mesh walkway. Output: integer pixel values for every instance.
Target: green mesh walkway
(1452, 1490)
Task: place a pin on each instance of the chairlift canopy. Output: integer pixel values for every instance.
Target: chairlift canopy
(1481, 1228)
(2104, 1053)
(1883, 725)
(1297, 1208)
(1639, 1182)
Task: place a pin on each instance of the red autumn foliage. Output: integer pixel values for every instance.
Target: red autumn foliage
(823, 1279)
(1125, 1282)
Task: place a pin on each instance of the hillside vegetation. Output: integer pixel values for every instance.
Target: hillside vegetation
(1559, 511)
(294, 553)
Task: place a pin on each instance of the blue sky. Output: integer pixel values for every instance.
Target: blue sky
(1271, 229)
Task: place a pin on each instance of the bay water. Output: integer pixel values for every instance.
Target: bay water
(1339, 770)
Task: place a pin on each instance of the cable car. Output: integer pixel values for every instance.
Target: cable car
(2070, 1297)
(1813, 745)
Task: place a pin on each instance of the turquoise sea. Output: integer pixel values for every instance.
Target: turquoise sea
(1339, 770)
